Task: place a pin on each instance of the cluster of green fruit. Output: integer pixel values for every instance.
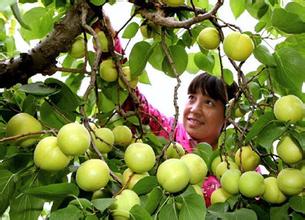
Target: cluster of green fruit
(78, 47)
(239, 176)
(237, 46)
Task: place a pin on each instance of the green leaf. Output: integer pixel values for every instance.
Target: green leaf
(269, 134)
(71, 212)
(5, 4)
(205, 151)
(97, 2)
(300, 137)
(105, 104)
(156, 56)
(297, 203)
(54, 191)
(7, 188)
(16, 12)
(131, 30)
(287, 22)
(26, 207)
(259, 125)
(228, 76)
(242, 214)
(290, 58)
(139, 213)
(138, 57)
(279, 212)
(153, 200)
(60, 109)
(179, 58)
(191, 65)
(40, 22)
(193, 207)
(237, 7)
(168, 211)
(296, 8)
(145, 185)
(103, 203)
(39, 89)
(263, 55)
(204, 61)
(144, 78)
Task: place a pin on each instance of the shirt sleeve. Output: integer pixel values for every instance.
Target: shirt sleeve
(160, 124)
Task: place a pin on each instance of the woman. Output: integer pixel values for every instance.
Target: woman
(203, 115)
(203, 118)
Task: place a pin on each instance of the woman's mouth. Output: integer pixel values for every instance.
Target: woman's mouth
(194, 122)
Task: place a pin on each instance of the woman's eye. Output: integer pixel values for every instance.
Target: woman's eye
(209, 102)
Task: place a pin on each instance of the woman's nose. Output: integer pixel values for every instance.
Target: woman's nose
(195, 107)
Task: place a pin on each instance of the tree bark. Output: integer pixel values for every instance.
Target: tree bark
(42, 57)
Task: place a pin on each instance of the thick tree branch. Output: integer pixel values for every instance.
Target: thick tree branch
(42, 58)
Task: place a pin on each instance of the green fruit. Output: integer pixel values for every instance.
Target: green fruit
(174, 151)
(102, 40)
(229, 181)
(219, 195)
(246, 158)
(73, 139)
(78, 48)
(133, 82)
(132, 178)
(197, 167)
(197, 189)
(103, 139)
(251, 184)
(23, 123)
(122, 135)
(199, 3)
(139, 157)
(289, 108)
(272, 192)
(92, 175)
(48, 156)
(208, 38)
(289, 151)
(222, 167)
(108, 71)
(123, 203)
(290, 181)
(238, 46)
(217, 161)
(173, 3)
(173, 175)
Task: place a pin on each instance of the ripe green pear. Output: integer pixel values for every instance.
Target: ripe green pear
(103, 139)
(174, 150)
(246, 158)
(272, 192)
(289, 151)
(251, 184)
(290, 181)
(219, 195)
(289, 108)
(122, 135)
(208, 38)
(108, 71)
(23, 123)
(238, 46)
(123, 203)
(139, 157)
(73, 139)
(197, 167)
(229, 181)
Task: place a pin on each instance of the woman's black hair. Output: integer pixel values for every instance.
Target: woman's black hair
(213, 87)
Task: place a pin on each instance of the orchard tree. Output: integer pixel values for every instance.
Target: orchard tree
(72, 154)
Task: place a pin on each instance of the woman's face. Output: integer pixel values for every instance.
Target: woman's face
(203, 118)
